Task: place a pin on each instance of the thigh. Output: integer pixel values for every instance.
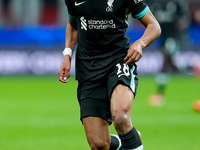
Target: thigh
(92, 89)
(122, 100)
(95, 108)
(121, 106)
(93, 100)
(97, 130)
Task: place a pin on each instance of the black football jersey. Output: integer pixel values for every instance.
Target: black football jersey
(101, 27)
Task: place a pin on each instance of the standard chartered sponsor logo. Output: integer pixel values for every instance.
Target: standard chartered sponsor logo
(83, 23)
(97, 24)
(101, 24)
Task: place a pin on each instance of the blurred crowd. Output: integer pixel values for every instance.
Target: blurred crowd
(31, 12)
(27, 19)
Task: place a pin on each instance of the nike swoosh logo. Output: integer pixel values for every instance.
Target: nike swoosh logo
(77, 4)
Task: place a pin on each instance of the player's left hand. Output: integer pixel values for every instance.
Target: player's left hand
(134, 53)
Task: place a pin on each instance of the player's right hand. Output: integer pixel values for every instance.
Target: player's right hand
(64, 72)
(134, 53)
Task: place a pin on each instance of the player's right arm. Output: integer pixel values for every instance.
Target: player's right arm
(70, 42)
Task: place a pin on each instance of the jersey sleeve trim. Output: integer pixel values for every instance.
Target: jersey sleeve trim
(71, 17)
(142, 13)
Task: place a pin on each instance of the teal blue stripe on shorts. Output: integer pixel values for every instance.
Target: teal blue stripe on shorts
(141, 14)
(132, 84)
(71, 17)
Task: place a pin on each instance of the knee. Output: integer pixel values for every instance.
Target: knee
(120, 118)
(99, 143)
(122, 122)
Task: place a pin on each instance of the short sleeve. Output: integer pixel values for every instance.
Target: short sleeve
(137, 8)
(70, 8)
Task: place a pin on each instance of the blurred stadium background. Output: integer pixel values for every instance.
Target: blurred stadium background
(38, 112)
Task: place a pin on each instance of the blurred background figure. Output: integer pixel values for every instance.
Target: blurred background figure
(195, 16)
(173, 16)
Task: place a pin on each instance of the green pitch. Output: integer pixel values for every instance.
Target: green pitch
(40, 113)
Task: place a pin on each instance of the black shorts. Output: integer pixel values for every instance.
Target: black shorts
(94, 96)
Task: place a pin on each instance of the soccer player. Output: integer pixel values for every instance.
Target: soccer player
(174, 21)
(105, 66)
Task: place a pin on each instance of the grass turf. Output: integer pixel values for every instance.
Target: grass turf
(40, 113)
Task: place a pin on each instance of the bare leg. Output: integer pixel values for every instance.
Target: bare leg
(121, 106)
(97, 132)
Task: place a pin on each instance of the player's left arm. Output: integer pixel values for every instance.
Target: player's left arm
(152, 32)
